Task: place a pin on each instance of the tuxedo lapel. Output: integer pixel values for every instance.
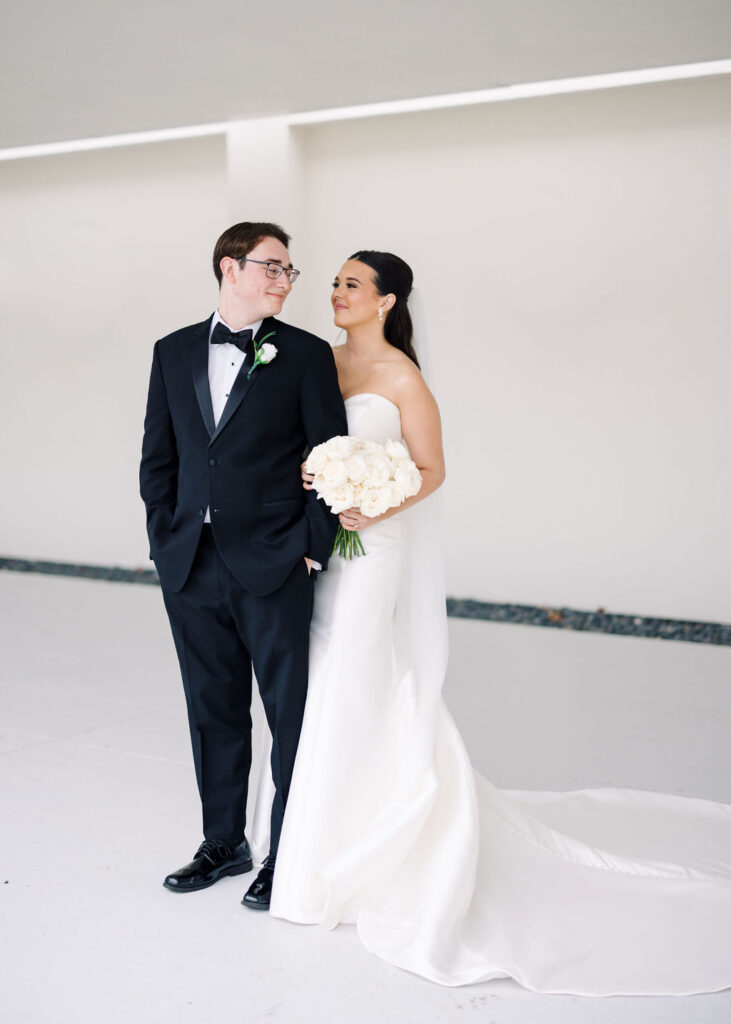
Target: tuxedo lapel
(199, 363)
(243, 383)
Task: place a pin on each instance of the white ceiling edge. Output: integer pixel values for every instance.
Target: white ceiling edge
(501, 94)
(194, 131)
(526, 90)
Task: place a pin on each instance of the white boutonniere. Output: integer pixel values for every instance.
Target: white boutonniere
(263, 353)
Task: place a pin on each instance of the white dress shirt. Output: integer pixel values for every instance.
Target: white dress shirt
(224, 363)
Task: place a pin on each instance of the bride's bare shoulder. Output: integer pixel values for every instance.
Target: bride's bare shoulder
(407, 383)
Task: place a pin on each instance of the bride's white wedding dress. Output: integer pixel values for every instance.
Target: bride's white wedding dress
(388, 827)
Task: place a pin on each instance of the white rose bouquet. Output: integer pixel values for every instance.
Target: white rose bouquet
(351, 473)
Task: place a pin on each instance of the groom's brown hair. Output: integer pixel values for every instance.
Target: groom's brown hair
(240, 239)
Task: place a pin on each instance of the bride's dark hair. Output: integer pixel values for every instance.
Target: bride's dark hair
(393, 276)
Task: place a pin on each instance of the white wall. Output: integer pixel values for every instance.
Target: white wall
(102, 253)
(573, 253)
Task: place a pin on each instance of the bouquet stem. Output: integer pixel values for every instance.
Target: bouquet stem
(347, 543)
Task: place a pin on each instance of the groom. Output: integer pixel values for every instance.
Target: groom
(234, 403)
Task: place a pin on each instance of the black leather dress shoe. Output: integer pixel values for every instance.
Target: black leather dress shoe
(259, 895)
(213, 860)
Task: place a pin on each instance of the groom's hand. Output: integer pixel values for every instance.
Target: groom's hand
(307, 478)
(311, 564)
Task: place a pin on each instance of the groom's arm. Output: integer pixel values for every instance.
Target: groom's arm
(159, 465)
(323, 414)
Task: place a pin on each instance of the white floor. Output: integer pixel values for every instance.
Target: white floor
(98, 802)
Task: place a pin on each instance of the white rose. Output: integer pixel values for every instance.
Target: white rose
(395, 494)
(374, 502)
(371, 448)
(408, 478)
(355, 466)
(415, 481)
(335, 474)
(267, 352)
(340, 498)
(320, 484)
(317, 459)
(339, 447)
(378, 471)
(397, 451)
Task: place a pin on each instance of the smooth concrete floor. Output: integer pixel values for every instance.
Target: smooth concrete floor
(98, 802)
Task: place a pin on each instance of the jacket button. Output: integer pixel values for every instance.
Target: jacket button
(201, 511)
(212, 462)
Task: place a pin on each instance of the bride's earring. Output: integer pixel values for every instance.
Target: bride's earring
(380, 313)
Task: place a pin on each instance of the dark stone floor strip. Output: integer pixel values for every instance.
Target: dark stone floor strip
(88, 572)
(592, 622)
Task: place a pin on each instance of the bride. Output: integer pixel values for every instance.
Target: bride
(388, 827)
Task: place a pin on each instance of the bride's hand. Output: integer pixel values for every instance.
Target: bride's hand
(353, 519)
(307, 478)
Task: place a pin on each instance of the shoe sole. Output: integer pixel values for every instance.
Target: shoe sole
(254, 906)
(238, 869)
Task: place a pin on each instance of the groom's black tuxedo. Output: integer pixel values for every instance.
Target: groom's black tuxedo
(247, 468)
(238, 591)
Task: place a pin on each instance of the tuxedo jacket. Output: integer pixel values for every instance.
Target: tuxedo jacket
(246, 469)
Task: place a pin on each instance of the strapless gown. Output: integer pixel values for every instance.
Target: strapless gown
(389, 828)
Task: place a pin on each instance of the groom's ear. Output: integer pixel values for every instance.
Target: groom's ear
(228, 269)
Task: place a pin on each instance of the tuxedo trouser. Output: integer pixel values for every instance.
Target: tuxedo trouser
(220, 630)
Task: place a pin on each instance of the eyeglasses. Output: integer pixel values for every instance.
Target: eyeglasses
(274, 270)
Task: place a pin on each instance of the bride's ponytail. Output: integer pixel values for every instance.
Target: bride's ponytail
(393, 276)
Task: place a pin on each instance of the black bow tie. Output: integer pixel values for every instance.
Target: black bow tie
(222, 336)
